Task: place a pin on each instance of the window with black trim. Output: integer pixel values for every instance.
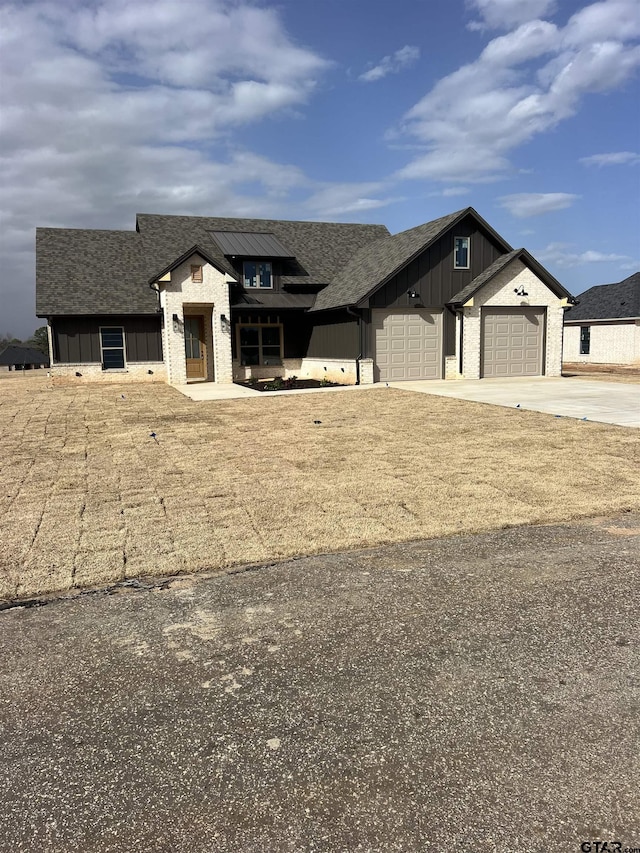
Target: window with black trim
(461, 252)
(260, 344)
(257, 274)
(585, 340)
(112, 347)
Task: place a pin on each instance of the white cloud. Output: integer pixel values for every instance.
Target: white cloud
(122, 107)
(523, 205)
(614, 158)
(504, 14)
(523, 84)
(341, 199)
(450, 192)
(391, 64)
(564, 255)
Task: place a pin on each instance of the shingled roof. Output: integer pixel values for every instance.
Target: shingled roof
(16, 354)
(376, 263)
(108, 272)
(91, 272)
(499, 264)
(618, 301)
(320, 248)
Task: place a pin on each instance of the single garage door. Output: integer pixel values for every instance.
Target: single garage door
(512, 341)
(408, 344)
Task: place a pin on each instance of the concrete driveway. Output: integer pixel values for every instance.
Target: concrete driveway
(476, 693)
(608, 402)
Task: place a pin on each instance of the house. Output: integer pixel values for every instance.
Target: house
(604, 327)
(18, 357)
(190, 298)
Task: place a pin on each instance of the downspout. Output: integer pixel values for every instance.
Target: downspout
(360, 341)
(156, 289)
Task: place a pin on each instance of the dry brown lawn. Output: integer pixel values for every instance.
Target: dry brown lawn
(88, 497)
(603, 372)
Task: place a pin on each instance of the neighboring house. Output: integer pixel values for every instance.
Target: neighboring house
(190, 298)
(604, 327)
(17, 357)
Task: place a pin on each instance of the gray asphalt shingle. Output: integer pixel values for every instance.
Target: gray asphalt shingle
(378, 261)
(108, 272)
(499, 264)
(17, 354)
(91, 272)
(320, 248)
(617, 301)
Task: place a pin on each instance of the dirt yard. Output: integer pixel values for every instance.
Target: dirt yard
(88, 496)
(604, 372)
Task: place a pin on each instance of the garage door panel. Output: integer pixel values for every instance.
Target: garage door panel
(512, 341)
(408, 344)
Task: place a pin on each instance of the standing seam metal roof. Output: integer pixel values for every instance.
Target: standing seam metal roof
(250, 244)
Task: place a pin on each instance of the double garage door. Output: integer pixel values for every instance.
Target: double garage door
(408, 344)
(512, 342)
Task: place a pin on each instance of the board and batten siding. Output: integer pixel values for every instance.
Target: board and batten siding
(434, 278)
(334, 335)
(76, 340)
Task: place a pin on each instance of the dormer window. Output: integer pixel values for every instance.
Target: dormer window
(196, 272)
(257, 274)
(461, 253)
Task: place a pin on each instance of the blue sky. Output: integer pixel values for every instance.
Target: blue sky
(349, 110)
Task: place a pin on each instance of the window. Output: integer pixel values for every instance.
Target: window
(260, 345)
(257, 274)
(112, 346)
(461, 253)
(196, 272)
(585, 340)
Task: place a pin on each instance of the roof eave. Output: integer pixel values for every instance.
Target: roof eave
(539, 270)
(569, 320)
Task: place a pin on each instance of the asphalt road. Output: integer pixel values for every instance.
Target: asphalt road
(473, 693)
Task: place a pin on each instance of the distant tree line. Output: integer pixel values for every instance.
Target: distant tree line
(38, 340)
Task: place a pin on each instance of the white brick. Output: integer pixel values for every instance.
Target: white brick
(209, 297)
(611, 343)
(499, 293)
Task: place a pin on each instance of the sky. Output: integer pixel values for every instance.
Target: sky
(386, 111)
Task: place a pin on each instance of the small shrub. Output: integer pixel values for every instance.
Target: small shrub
(275, 385)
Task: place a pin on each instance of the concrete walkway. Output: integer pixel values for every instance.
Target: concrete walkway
(607, 402)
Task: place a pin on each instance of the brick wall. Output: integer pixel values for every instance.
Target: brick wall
(611, 343)
(499, 293)
(138, 371)
(211, 298)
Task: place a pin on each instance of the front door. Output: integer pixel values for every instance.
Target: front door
(194, 347)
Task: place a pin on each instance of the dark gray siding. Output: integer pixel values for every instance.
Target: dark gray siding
(432, 274)
(435, 280)
(334, 335)
(77, 339)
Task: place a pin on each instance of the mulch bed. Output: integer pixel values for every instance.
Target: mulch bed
(287, 384)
